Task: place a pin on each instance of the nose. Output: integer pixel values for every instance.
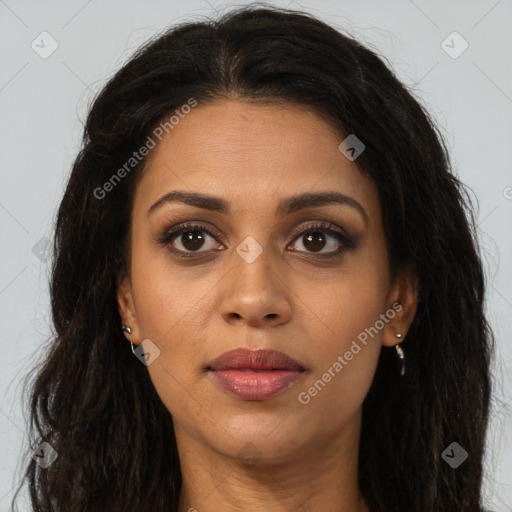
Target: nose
(256, 294)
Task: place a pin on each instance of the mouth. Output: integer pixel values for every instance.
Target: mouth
(254, 360)
(255, 374)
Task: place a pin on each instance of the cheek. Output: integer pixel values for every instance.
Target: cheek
(354, 298)
(343, 368)
(347, 351)
(168, 304)
(168, 296)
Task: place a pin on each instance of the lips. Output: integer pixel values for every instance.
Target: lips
(255, 374)
(246, 359)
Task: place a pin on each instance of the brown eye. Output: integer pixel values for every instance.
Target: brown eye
(320, 239)
(314, 242)
(185, 240)
(191, 240)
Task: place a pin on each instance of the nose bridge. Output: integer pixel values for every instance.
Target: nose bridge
(253, 252)
(253, 270)
(254, 290)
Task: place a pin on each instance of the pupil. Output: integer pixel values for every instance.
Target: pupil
(192, 240)
(315, 241)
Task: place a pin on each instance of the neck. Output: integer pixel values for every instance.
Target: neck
(322, 476)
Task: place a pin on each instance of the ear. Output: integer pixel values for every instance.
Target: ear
(126, 308)
(403, 300)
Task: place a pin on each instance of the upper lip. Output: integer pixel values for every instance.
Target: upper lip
(262, 359)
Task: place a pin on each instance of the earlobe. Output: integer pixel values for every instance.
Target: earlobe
(126, 308)
(404, 301)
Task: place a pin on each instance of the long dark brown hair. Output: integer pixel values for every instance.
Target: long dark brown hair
(95, 404)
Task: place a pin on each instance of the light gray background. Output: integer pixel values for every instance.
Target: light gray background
(43, 103)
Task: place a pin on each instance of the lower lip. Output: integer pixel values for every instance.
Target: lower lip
(256, 385)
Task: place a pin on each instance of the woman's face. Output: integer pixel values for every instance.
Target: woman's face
(256, 281)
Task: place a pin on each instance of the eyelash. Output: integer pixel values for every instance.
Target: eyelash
(345, 241)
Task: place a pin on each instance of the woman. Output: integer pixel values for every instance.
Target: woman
(267, 290)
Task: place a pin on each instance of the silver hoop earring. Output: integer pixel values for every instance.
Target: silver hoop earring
(129, 331)
(400, 354)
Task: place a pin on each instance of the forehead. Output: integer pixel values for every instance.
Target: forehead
(252, 155)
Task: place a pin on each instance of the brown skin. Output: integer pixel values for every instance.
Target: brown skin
(287, 299)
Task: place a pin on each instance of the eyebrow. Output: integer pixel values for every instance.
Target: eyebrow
(286, 206)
